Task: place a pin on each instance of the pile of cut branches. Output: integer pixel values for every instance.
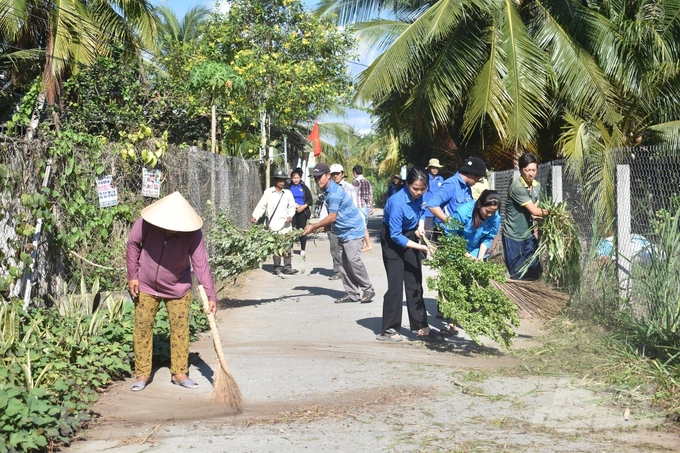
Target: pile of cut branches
(235, 250)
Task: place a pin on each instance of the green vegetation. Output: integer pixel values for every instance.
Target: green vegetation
(53, 363)
(236, 250)
(465, 293)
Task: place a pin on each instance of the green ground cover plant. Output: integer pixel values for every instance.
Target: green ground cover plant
(54, 361)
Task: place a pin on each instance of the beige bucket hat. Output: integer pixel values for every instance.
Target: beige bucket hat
(434, 163)
(173, 212)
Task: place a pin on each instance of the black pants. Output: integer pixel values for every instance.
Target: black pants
(403, 268)
(299, 220)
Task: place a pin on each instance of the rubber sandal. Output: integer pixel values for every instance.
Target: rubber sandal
(449, 330)
(390, 336)
(187, 383)
(432, 336)
(138, 386)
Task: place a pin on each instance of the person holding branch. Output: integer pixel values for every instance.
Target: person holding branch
(520, 237)
(164, 245)
(479, 222)
(403, 226)
(348, 225)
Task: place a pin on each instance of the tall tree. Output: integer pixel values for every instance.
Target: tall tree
(504, 71)
(71, 32)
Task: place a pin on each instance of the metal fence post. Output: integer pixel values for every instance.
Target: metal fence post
(623, 216)
(557, 183)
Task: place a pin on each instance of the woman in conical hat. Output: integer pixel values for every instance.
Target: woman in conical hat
(165, 243)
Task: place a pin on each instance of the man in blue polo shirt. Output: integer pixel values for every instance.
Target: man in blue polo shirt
(349, 226)
(456, 190)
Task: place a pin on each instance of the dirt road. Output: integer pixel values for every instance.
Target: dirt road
(315, 379)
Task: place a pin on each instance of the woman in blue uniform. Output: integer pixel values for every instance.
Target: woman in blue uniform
(303, 200)
(403, 226)
(480, 222)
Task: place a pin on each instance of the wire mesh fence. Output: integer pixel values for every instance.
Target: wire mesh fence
(213, 184)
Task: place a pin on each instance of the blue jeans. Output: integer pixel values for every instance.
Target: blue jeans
(516, 253)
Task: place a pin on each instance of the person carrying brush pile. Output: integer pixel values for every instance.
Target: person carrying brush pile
(165, 243)
(278, 204)
(520, 237)
(456, 191)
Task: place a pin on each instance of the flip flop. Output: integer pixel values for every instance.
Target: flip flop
(187, 383)
(138, 386)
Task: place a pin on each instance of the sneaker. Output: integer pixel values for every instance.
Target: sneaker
(303, 253)
(290, 271)
(390, 335)
(345, 300)
(336, 276)
(367, 297)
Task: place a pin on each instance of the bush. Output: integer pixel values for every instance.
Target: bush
(52, 365)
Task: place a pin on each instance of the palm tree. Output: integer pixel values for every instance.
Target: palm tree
(502, 74)
(68, 33)
(174, 33)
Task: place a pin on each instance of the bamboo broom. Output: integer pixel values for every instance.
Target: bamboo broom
(225, 388)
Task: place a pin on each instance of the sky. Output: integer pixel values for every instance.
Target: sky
(361, 121)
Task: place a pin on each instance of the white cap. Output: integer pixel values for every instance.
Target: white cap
(336, 168)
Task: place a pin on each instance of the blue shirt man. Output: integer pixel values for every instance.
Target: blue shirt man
(457, 189)
(348, 223)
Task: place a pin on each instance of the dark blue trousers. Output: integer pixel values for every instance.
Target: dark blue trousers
(516, 253)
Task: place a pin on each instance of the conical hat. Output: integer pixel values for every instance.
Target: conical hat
(174, 213)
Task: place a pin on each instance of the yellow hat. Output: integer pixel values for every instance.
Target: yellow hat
(174, 213)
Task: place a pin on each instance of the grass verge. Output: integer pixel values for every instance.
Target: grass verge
(605, 363)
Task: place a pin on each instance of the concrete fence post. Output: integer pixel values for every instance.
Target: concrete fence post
(492, 180)
(557, 183)
(623, 235)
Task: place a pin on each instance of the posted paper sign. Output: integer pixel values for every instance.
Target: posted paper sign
(108, 194)
(151, 183)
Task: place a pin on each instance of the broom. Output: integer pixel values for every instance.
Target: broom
(533, 299)
(225, 388)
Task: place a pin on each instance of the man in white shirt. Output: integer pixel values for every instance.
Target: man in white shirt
(279, 206)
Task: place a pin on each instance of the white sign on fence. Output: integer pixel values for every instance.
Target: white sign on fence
(151, 183)
(108, 193)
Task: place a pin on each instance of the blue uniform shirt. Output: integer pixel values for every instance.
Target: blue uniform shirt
(453, 193)
(402, 213)
(298, 193)
(432, 188)
(476, 237)
(349, 223)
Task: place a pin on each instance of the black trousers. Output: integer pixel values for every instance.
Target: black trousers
(299, 220)
(403, 268)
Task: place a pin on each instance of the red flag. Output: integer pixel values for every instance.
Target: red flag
(316, 139)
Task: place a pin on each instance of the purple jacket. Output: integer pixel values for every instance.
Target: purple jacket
(162, 266)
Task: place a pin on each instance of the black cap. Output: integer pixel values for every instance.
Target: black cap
(321, 169)
(280, 174)
(474, 165)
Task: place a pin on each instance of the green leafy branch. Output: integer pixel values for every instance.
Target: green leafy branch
(466, 295)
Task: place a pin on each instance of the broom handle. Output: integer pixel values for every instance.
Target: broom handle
(213, 329)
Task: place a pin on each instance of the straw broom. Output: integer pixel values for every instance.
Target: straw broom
(225, 388)
(533, 299)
